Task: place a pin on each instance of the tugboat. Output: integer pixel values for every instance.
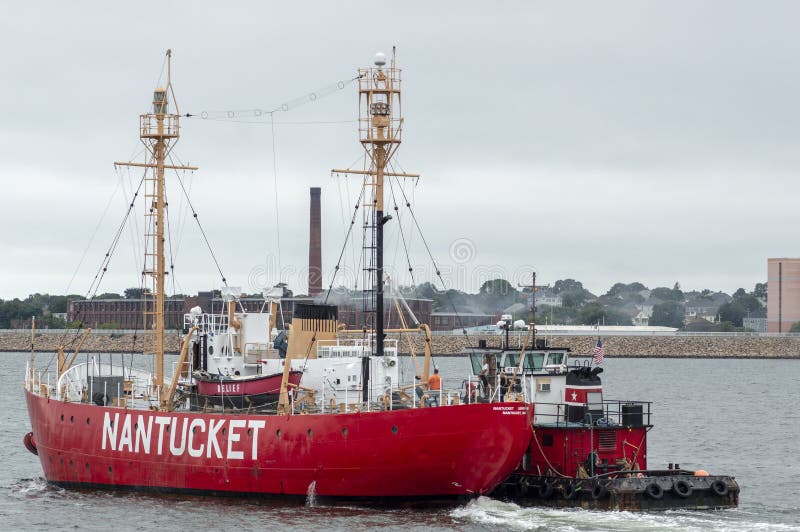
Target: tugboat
(110, 425)
(586, 451)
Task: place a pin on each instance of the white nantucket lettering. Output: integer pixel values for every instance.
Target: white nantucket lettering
(233, 438)
(161, 421)
(110, 431)
(174, 449)
(212, 438)
(126, 439)
(256, 425)
(198, 424)
(184, 435)
(143, 434)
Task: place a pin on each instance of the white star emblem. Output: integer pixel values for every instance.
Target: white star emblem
(574, 396)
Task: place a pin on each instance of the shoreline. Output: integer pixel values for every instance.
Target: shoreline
(628, 346)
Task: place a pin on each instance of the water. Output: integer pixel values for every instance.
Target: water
(737, 417)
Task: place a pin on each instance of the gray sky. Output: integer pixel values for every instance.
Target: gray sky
(603, 141)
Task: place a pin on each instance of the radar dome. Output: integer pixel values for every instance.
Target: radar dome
(380, 59)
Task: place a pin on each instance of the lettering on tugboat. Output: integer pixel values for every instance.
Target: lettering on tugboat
(197, 437)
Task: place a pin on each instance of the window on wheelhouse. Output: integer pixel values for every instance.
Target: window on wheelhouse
(533, 361)
(555, 358)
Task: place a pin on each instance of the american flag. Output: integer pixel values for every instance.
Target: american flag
(599, 353)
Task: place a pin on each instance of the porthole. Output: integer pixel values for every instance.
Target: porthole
(109, 469)
(224, 432)
(394, 429)
(278, 433)
(72, 420)
(344, 432)
(249, 432)
(62, 417)
(211, 350)
(310, 433)
(87, 420)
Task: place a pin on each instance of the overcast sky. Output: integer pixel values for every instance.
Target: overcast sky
(602, 141)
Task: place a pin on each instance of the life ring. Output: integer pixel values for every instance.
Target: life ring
(682, 488)
(391, 363)
(599, 492)
(654, 490)
(719, 487)
(571, 490)
(545, 491)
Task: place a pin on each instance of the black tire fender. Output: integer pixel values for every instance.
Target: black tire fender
(545, 491)
(682, 488)
(571, 490)
(599, 492)
(654, 490)
(719, 487)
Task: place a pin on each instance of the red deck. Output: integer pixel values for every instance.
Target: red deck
(444, 451)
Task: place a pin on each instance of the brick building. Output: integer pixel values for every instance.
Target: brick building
(783, 294)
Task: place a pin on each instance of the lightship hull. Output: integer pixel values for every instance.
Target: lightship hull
(427, 452)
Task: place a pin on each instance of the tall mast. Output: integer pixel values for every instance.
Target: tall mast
(159, 130)
(380, 128)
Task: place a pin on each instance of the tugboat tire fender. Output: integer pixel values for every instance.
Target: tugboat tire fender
(545, 491)
(719, 487)
(682, 488)
(599, 492)
(654, 490)
(571, 490)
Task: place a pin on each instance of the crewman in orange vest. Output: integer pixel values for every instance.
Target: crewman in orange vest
(434, 385)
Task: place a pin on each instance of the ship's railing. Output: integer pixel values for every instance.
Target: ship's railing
(611, 413)
(104, 384)
(215, 323)
(349, 347)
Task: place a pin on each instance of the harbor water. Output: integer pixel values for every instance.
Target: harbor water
(737, 417)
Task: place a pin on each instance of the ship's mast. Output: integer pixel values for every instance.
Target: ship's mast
(380, 128)
(159, 130)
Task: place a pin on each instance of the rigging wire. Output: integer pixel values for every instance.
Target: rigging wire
(91, 239)
(402, 233)
(95, 284)
(257, 113)
(200, 226)
(275, 186)
(344, 247)
(433, 261)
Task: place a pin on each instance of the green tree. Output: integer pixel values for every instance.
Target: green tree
(134, 293)
(594, 313)
(666, 294)
(572, 292)
(795, 327)
(668, 314)
(733, 312)
(760, 290)
(497, 294)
